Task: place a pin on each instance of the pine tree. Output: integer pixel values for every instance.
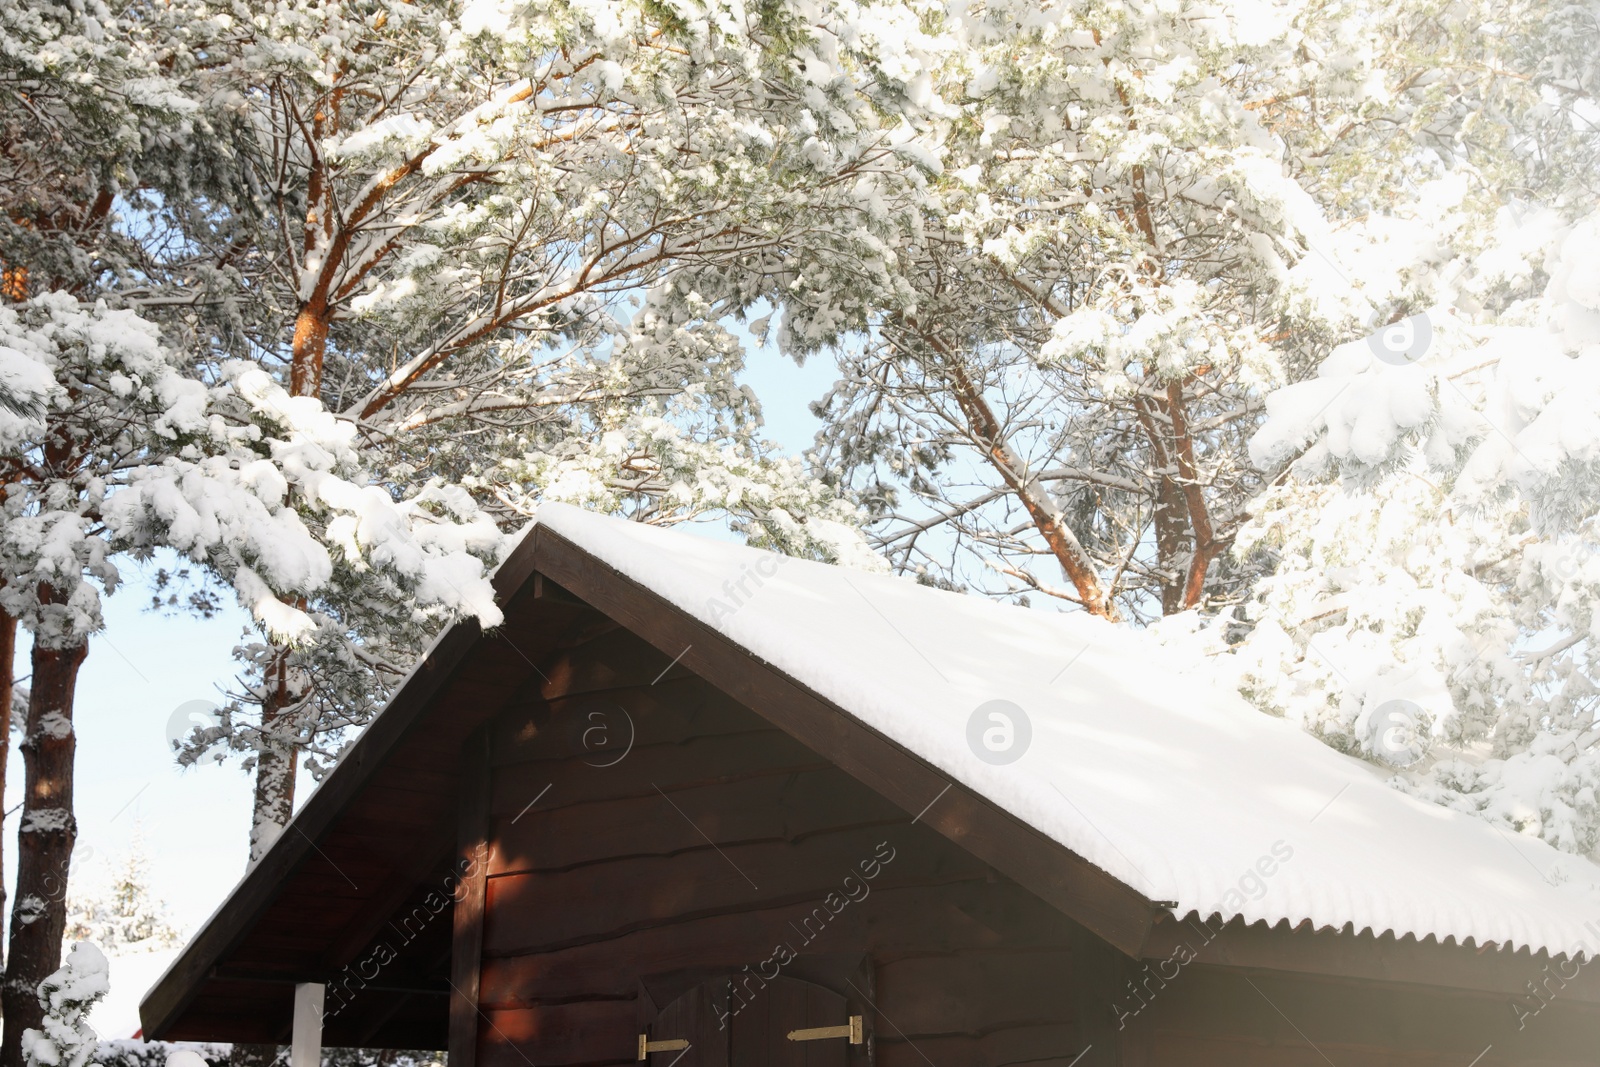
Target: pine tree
(64, 1037)
(125, 917)
(552, 210)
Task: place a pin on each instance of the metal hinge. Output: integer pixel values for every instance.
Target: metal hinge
(646, 1046)
(852, 1030)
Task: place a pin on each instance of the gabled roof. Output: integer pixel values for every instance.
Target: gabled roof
(1174, 787)
(1144, 795)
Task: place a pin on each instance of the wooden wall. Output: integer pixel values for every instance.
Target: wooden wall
(1216, 1017)
(617, 880)
(716, 839)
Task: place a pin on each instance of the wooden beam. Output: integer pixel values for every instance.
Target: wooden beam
(431, 857)
(466, 951)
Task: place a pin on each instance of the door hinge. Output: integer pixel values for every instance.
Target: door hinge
(646, 1046)
(852, 1030)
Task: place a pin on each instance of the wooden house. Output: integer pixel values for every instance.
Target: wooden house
(702, 806)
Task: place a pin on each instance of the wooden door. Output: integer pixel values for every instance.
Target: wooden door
(756, 1025)
(691, 1031)
(762, 1026)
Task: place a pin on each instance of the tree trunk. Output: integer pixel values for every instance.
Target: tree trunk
(1172, 555)
(1045, 512)
(8, 663)
(273, 802)
(45, 838)
(309, 346)
(1206, 545)
(274, 795)
(1171, 516)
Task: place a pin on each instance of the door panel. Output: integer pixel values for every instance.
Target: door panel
(693, 1017)
(761, 1027)
(755, 1033)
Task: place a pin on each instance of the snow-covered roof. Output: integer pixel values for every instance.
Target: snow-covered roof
(1175, 787)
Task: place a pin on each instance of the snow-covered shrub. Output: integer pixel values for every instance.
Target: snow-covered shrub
(131, 1052)
(67, 996)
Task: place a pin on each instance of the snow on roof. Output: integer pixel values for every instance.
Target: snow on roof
(1170, 784)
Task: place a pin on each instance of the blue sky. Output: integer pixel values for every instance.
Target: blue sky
(193, 824)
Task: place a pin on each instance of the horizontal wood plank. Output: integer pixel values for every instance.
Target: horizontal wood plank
(670, 712)
(602, 901)
(974, 992)
(891, 923)
(784, 805)
(586, 1032)
(698, 761)
(1051, 1044)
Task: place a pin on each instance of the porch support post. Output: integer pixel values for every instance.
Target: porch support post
(306, 1044)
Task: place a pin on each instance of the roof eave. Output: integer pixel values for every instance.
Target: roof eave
(166, 1000)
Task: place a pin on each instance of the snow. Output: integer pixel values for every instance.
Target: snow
(64, 1038)
(185, 1057)
(1431, 538)
(84, 977)
(117, 1015)
(1172, 785)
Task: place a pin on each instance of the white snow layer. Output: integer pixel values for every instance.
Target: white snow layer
(132, 973)
(1172, 785)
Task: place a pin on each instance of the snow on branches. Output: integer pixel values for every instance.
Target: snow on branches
(65, 1039)
(282, 500)
(104, 389)
(1101, 275)
(522, 169)
(131, 453)
(1433, 604)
